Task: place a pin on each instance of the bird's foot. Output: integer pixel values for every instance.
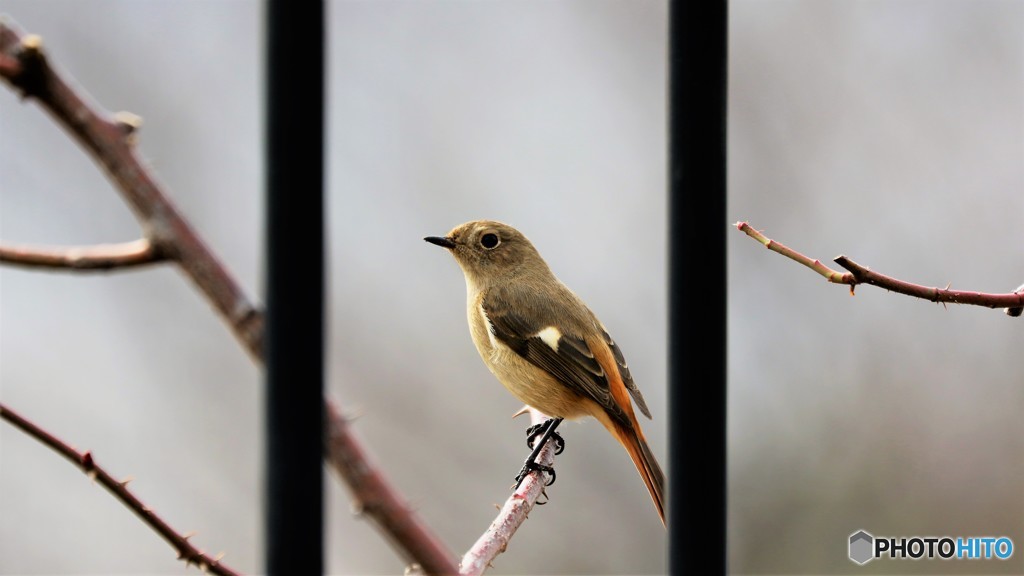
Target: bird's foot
(530, 466)
(538, 430)
(546, 431)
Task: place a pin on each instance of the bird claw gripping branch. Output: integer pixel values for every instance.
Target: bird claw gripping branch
(537, 430)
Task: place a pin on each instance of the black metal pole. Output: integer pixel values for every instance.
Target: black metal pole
(295, 287)
(697, 286)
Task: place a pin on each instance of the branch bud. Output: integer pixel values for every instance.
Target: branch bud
(1015, 310)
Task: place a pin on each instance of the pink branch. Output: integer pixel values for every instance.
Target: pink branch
(512, 515)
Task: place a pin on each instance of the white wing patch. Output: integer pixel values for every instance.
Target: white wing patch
(488, 326)
(550, 336)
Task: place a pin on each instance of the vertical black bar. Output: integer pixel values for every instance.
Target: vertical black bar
(295, 287)
(697, 284)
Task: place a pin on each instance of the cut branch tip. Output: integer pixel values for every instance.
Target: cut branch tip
(32, 43)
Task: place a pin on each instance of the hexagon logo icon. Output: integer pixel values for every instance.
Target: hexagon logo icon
(861, 544)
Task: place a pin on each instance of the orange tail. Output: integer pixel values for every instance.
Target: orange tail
(636, 445)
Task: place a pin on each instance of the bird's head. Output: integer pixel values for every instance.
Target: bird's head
(490, 251)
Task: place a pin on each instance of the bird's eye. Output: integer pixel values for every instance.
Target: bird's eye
(489, 240)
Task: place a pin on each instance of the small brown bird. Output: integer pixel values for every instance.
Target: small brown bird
(543, 343)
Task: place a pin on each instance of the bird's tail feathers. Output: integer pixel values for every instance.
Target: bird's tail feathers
(646, 464)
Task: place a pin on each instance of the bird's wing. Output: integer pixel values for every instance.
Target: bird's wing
(563, 354)
(627, 378)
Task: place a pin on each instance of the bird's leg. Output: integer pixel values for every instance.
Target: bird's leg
(546, 432)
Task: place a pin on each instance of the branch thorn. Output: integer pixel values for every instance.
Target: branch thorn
(128, 123)
(353, 413)
(1015, 310)
(358, 508)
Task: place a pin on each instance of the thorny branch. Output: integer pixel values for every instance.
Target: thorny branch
(375, 497)
(1012, 303)
(119, 488)
(109, 139)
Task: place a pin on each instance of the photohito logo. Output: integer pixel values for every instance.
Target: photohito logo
(863, 547)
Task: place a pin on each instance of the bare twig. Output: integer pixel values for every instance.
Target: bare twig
(816, 265)
(109, 138)
(375, 498)
(85, 258)
(860, 275)
(119, 488)
(515, 511)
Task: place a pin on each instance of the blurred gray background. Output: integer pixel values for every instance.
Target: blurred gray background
(891, 131)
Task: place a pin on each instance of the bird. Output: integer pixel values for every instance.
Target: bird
(545, 345)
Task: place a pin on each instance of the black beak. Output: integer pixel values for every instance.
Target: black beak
(440, 241)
